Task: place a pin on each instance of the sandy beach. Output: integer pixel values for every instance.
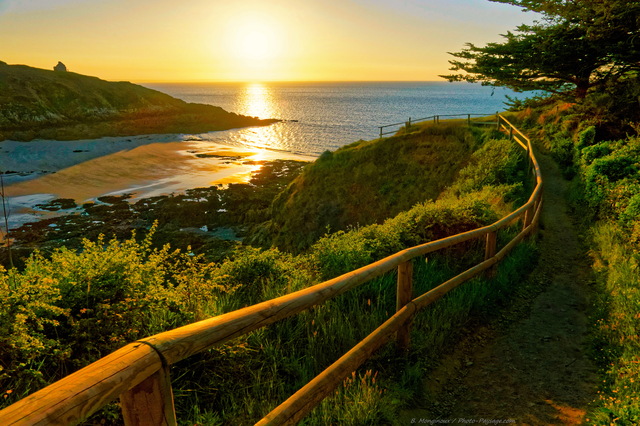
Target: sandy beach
(145, 166)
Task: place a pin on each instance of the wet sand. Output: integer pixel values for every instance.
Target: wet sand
(143, 166)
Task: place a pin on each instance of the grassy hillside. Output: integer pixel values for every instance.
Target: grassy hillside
(70, 307)
(37, 103)
(369, 181)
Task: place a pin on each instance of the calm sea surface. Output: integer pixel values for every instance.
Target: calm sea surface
(326, 116)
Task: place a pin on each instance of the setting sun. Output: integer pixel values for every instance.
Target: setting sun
(257, 44)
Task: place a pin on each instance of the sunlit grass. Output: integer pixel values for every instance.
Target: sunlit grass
(617, 345)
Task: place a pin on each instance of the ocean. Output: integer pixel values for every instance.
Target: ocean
(325, 116)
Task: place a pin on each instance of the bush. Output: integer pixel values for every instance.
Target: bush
(341, 252)
(632, 212)
(615, 167)
(562, 150)
(586, 137)
(610, 174)
(68, 310)
(498, 161)
(589, 153)
(253, 275)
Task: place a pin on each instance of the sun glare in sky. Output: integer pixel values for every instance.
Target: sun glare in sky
(249, 40)
(255, 46)
(257, 41)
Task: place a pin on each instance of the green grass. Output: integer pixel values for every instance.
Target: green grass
(616, 341)
(367, 182)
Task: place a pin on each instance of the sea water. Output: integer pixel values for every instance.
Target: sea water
(327, 115)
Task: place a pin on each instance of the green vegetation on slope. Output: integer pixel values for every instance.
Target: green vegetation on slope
(69, 308)
(608, 187)
(37, 103)
(586, 52)
(367, 182)
(605, 177)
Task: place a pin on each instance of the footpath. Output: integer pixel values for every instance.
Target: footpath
(531, 365)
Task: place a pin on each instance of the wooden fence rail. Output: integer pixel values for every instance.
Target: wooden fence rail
(384, 130)
(138, 373)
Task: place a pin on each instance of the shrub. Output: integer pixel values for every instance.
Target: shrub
(615, 167)
(254, 275)
(632, 212)
(562, 150)
(68, 310)
(29, 314)
(586, 137)
(589, 153)
(498, 161)
(341, 252)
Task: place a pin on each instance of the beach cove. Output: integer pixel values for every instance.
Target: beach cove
(39, 172)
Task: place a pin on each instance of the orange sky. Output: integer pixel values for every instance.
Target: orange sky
(249, 40)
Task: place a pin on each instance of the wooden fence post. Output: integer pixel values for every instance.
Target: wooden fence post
(150, 402)
(404, 294)
(490, 251)
(497, 120)
(380, 132)
(468, 119)
(528, 216)
(535, 212)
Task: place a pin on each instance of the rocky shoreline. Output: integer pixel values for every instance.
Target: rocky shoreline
(209, 220)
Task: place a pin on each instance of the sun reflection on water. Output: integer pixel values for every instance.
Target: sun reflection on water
(258, 100)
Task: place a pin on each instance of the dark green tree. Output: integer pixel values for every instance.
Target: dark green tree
(576, 45)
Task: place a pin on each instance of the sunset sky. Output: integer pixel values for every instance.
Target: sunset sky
(249, 40)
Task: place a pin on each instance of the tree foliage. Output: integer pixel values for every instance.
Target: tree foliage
(575, 46)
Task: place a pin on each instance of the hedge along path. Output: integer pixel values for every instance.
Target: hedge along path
(138, 373)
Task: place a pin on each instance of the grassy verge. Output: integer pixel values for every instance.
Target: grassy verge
(605, 194)
(616, 341)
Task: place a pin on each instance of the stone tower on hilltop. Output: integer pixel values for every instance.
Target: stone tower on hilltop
(60, 67)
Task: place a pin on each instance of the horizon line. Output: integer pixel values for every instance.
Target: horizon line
(288, 81)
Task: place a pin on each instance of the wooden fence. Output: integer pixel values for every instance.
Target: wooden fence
(392, 128)
(138, 373)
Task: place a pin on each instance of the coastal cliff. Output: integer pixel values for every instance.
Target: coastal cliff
(38, 103)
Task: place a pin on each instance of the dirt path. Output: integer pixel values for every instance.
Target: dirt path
(533, 368)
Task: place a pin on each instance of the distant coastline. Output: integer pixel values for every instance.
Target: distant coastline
(60, 105)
